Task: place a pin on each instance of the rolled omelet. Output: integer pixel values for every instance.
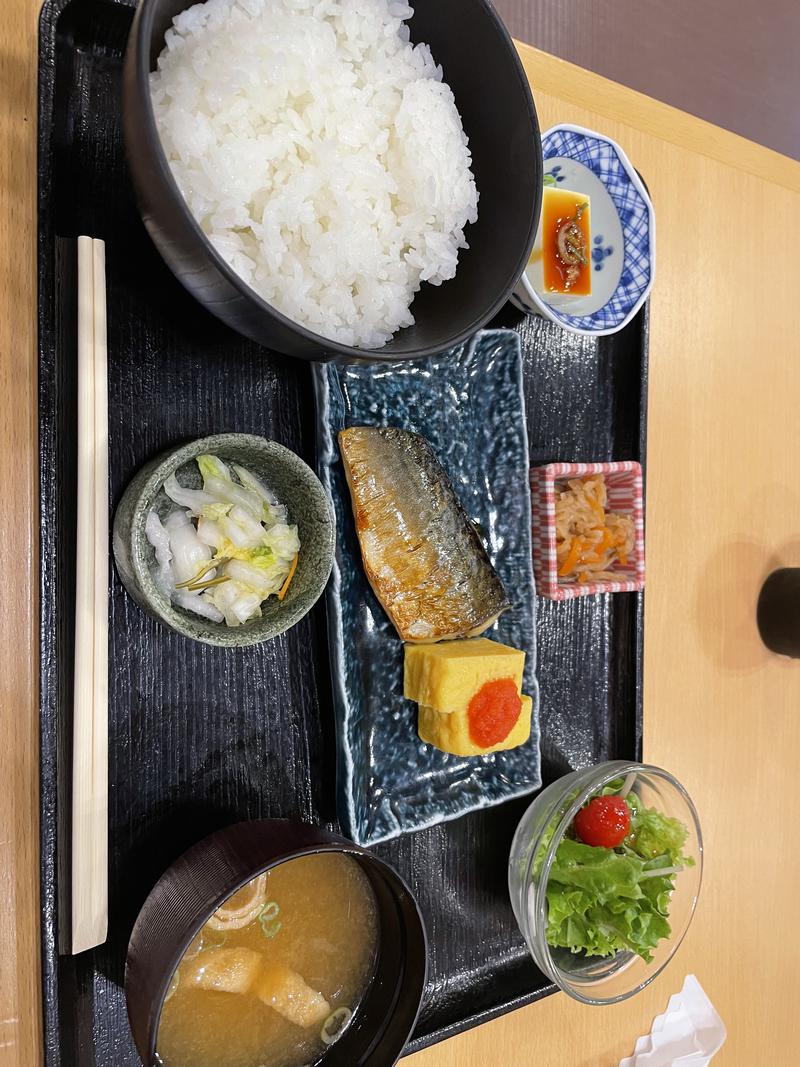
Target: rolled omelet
(449, 731)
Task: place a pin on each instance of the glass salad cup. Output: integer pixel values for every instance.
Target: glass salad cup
(597, 979)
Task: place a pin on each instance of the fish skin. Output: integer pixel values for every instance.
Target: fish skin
(422, 554)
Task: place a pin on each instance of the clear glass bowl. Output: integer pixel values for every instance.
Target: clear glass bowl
(595, 979)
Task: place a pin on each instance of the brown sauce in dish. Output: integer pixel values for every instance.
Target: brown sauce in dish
(566, 243)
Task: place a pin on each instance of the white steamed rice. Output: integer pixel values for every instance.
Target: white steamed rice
(321, 153)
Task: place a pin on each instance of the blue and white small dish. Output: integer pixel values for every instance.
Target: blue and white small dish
(469, 405)
(623, 234)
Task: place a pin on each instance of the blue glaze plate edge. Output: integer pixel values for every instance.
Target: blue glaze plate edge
(388, 781)
(610, 164)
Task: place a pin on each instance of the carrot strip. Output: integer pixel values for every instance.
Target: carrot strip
(591, 540)
(289, 576)
(573, 558)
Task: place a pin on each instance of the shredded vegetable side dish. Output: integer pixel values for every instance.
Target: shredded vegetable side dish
(590, 541)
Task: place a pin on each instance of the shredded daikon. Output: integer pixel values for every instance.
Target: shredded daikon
(590, 541)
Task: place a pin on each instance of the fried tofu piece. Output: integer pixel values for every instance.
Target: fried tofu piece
(227, 970)
(289, 994)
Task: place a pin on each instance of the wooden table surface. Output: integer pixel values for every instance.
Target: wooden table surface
(723, 509)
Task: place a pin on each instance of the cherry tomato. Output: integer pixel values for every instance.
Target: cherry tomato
(604, 822)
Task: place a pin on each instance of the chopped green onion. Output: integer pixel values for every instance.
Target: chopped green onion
(335, 1025)
(268, 919)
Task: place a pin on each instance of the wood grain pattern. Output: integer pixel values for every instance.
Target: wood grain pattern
(720, 711)
(20, 1015)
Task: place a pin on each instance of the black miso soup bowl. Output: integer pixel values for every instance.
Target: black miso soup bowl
(192, 889)
(492, 94)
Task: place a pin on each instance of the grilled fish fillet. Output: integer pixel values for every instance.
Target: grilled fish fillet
(421, 553)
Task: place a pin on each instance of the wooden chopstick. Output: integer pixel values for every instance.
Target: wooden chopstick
(90, 695)
(100, 768)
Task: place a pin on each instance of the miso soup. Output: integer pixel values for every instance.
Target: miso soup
(276, 974)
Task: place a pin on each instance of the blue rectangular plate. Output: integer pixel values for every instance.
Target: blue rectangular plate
(469, 404)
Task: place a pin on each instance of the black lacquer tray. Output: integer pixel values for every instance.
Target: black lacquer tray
(200, 737)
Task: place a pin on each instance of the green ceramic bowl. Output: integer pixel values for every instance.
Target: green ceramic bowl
(294, 484)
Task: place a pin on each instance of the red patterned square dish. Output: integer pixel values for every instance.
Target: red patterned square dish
(625, 495)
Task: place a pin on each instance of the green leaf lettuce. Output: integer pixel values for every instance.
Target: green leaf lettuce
(603, 900)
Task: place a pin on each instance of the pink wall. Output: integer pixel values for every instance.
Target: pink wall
(733, 62)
